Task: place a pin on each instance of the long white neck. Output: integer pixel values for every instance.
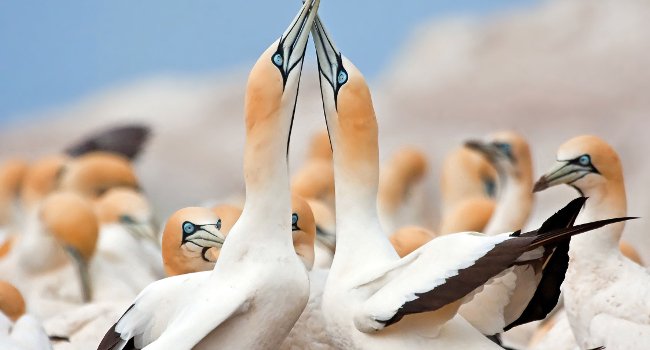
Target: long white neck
(605, 202)
(513, 206)
(266, 217)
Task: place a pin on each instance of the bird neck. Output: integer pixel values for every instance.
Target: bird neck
(266, 175)
(513, 206)
(356, 175)
(605, 201)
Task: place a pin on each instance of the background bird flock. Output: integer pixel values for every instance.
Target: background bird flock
(129, 158)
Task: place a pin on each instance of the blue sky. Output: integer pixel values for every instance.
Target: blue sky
(55, 52)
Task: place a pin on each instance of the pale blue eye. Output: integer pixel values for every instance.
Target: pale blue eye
(278, 60)
(188, 228)
(294, 219)
(584, 160)
(342, 78)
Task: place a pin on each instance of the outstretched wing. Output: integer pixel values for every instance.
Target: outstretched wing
(127, 140)
(152, 311)
(436, 278)
(441, 272)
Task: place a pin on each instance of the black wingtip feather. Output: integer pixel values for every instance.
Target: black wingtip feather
(127, 140)
(547, 293)
(112, 338)
(564, 217)
(561, 234)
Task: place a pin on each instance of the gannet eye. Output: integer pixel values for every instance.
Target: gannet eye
(188, 228)
(278, 60)
(584, 160)
(342, 78)
(218, 224)
(504, 147)
(294, 219)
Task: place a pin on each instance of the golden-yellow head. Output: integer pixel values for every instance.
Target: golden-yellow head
(584, 162)
(71, 219)
(274, 79)
(192, 239)
(12, 303)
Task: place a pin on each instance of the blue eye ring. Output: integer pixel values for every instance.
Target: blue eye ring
(294, 219)
(218, 225)
(342, 77)
(584, 160)
(505, 147)
(277, 59)
(188, 228)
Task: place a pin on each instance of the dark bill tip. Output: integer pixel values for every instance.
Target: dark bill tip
(541, 184)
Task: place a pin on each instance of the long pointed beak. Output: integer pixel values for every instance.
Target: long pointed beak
(294, 40)
(143, 231)
(488, 150)
(564, 172)
(82, 270)
(328, 56)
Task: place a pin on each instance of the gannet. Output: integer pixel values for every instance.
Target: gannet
(128, 244)
(605, 294)
(258, 281)
(19, 330)
(510, 154)
(373, 299)
(468, 187)
(65, 235)
(402, 197)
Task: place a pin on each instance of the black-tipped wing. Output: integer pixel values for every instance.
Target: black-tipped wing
(547, 293)
(112, 339)
(450, 267)
(125, 140)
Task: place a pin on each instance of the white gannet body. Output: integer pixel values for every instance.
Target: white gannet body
(373, 299)
(605, 294)
(258, 281)
(18, 330)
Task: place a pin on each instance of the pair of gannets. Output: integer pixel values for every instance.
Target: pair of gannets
(605, 294)
(258, 281)
(369, 288)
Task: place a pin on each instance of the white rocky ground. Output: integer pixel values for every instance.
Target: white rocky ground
(566, 68)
